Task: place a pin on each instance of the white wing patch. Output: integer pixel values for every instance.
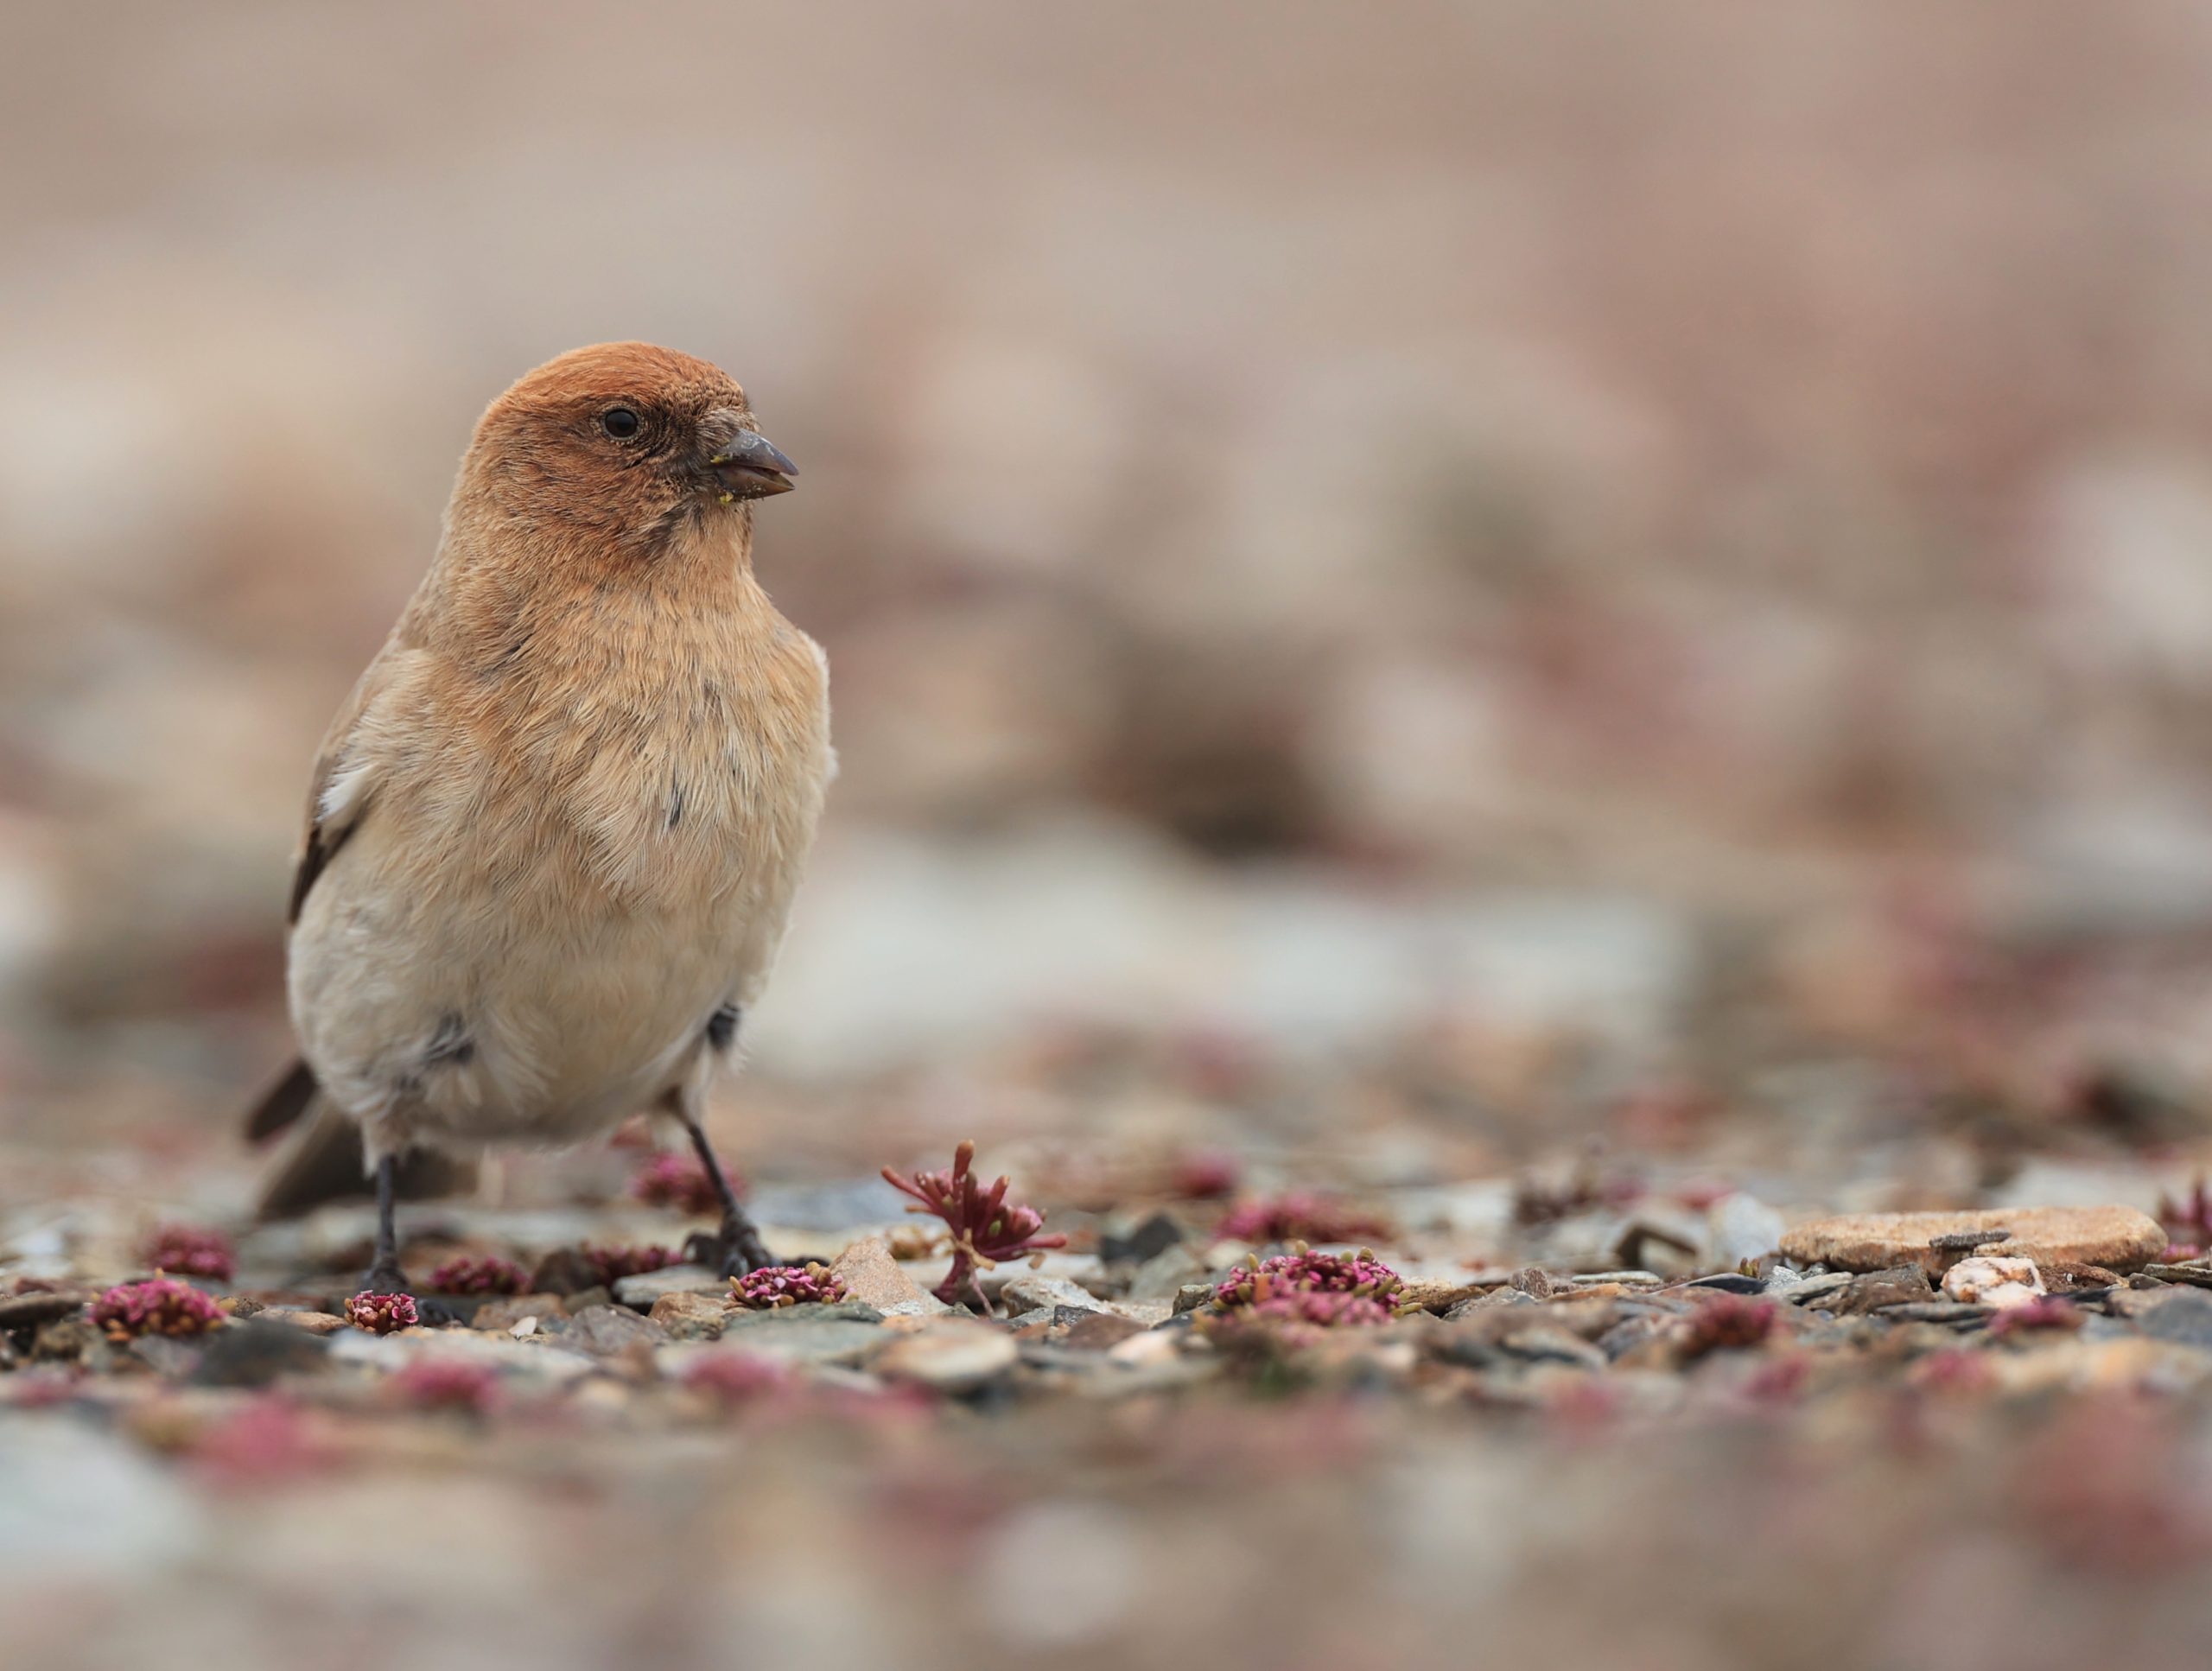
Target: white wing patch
(343, 795)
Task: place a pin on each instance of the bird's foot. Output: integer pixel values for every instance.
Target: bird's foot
(735, 1250)
(386, 1279)
(391, 1280)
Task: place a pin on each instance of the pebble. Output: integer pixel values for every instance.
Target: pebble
(874, 1278)
(691, 1316)
(1811, 1291)
(2183, 1318)
(500, 1316)
(257, 1352)
(2118, 1238)
(1900, 1284)
(951, 1356)
(641, 1290)
(844, 1334)
(2001, 1282)
(1165, 1273)
(609, 1331)
(1740, 1227)
(27, 1310)
(1028, 1293)
(1087, 1271)
(1147, 1241)
(314, 1323)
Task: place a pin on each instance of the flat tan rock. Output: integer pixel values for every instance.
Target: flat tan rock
(873, 1277)
(2118, 1238)
(952, 1355)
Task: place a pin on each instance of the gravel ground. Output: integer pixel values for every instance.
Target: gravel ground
(1614, 1418)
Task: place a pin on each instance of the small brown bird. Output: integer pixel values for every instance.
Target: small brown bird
(553, 835)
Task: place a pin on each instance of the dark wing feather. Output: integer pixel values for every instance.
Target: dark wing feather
(285, 1102)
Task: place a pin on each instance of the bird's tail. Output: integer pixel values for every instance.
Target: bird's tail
(323, 1160)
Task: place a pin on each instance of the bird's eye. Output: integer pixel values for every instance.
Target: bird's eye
(619, 422)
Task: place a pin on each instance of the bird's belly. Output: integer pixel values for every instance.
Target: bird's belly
(540, 1011)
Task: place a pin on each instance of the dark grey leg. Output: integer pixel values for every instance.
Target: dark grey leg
(385, 1275)
(742, 1247)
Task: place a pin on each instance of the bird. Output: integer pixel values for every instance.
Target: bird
(553, 837)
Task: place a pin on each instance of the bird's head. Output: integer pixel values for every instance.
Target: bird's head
(623, 441)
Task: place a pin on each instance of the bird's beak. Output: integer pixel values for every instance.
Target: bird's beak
(748, 465)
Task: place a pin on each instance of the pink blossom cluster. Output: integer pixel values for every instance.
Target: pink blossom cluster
(773, 1286)
(155, 1306)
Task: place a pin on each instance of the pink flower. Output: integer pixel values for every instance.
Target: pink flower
(182, 1250)
(2048, 1312)
(776, 1285)
(489, 1274)
(611, 1265)
(1298, 1217)
(432, 1383)
(1361, 1276)
(1728, 1323)
(984, 1228)
(671, 1179)
(381, 1314)
(733, 1378)
(155, 1306)
(259, 1443)
(1205, 1175)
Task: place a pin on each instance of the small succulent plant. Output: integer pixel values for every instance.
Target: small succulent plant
(2188, 1223)
(672, 1180)
(2047, 1312)
(1205, 1175)
(381, 1314)
(1298, 1216)
(1955, 1371)
(1360, 1276)
(1729, 1323)
(611, 1265)
(773, 1286)
(432, 1383)
(487, 1273)
(733, 1378)
(983, 1227)
(263, 1442)
(186, 1250)
(155, 1306)
(1320, 1308)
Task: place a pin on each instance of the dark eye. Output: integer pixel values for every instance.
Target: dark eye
(619, 422)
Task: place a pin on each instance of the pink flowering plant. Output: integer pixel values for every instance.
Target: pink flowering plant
(485, 1273)
(382, 1314)
(773, 1286)
(1328, 1290)
(983, 1226)
(671, 1180)
(432, 1383)
(611, 1265)
(186, 1250)
(1298, 1216)
(155, 1306)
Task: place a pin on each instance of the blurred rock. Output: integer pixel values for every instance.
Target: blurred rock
(950, 1355)
(2118, 1238)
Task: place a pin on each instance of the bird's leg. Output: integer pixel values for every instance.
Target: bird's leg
(385, 1275)
(740, 1247)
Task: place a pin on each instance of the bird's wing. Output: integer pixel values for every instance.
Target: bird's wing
(345, 772)
(346, 768)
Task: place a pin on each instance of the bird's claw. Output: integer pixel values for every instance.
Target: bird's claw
(736, 1250)
(389, 1279)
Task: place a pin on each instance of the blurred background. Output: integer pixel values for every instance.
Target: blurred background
(1605, 549)
(1415, 592)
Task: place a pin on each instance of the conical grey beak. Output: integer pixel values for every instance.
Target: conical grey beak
(749, 467)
